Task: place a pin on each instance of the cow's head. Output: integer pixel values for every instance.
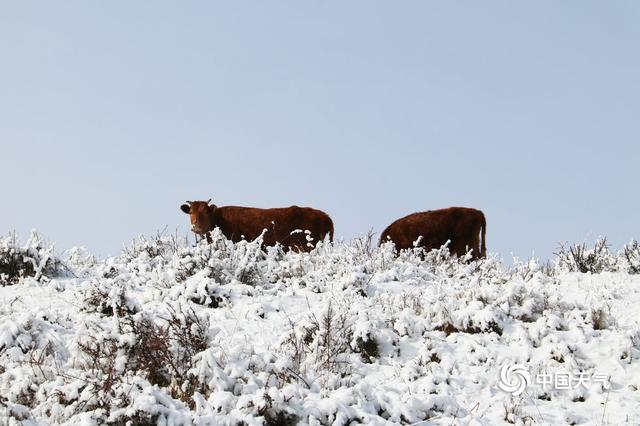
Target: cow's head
(201, 214)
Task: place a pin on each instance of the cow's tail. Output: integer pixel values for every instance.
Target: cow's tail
(483, 247)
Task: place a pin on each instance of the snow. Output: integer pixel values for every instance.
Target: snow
(225, 333)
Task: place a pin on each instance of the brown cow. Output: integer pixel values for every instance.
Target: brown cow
(293, 227)
(459, 225)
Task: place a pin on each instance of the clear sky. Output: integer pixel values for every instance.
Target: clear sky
(114, 113)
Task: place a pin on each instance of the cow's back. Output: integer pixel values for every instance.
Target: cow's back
(458, 225)
(280, 225)
(432, 228)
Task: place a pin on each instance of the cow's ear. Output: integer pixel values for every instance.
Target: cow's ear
(186, 208)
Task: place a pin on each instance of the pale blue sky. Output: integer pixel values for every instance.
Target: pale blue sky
(114, 113)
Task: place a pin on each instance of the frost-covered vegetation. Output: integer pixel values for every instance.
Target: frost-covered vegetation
(168, 333)
(34, 259)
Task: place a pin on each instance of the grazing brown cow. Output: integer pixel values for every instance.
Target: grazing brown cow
(459, 225)
(293, 227)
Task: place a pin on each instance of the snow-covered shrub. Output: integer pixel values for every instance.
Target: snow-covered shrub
(335, 338)
(165, 350)
(106, 298)
(600, 319)
(189, 261)
(364, 247)
(225, 261)
(157, 245)
(161, 350)
(526, 271)
(513, 413)
(80, 261)
(203, 290)
(330, 337)
(319, 344)
(348, 333)
(579, 258)
(35, 259)
(631, 257)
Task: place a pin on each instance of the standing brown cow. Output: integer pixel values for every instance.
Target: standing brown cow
(459, 225)
(294, 227)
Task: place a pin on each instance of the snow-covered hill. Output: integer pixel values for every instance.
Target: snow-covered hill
(215, 334)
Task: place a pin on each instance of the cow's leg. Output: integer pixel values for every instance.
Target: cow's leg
(476, 246)
(459, 248)
(472, 242)
(453, 248)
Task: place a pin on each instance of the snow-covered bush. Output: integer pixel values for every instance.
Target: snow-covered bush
(159, 244)
(107, 298)
(631, 257)
(34, 259)
(161, 350)
(579, 258)
(349, 333)
(80, 261)
(322, 345)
